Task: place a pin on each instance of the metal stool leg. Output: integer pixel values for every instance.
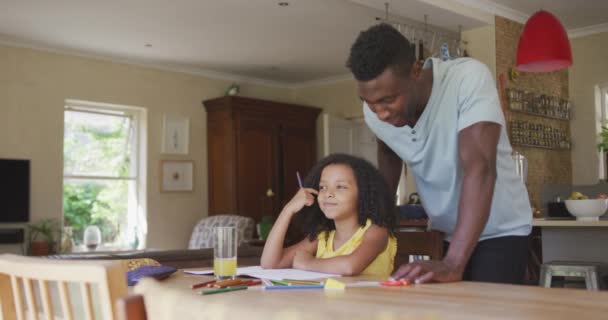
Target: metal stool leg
(545, 278)
(591, 280)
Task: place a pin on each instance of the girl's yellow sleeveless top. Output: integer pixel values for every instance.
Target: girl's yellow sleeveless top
(381, 266)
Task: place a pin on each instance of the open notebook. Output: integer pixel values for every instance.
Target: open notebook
(272, 274)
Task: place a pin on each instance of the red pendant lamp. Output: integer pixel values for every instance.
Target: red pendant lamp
(543, 45)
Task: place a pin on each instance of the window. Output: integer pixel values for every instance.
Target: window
(601, 112)
(104, 172)
(603, 91)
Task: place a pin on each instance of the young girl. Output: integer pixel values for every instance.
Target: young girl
(348, 226)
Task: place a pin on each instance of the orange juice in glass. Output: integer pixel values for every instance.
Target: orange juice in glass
(224, 253)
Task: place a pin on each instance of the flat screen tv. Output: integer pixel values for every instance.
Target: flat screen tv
(14, 190)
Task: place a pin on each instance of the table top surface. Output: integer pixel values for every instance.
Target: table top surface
(459, 300)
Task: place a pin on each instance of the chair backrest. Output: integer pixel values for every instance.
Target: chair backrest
(418, 242)
(30, 286)
(202, 235)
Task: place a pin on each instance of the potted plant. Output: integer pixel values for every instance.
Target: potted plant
(263, 228)
(42, 236)
(603, 147)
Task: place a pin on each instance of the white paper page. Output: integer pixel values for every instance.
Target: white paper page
(272, 274)
(279, 274)
(200, 272)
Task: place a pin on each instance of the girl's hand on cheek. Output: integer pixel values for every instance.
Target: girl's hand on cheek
(304, 197)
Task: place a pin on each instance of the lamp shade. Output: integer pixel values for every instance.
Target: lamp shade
(543, 45)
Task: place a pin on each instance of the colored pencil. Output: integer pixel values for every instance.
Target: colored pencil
(280, 283)
(303, 282)
(226, 283)
(202, 284)
(299, 179)
(318, 286)
(214, 291)
(247, 283)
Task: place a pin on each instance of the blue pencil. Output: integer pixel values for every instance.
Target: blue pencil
(319, 286)
(299, 179)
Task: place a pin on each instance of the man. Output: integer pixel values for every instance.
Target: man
(444, 119)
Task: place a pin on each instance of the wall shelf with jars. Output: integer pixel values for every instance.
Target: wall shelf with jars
(537, 104)
(538, 135)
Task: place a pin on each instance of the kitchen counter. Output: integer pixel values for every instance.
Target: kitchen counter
(573, 240)
(544, 222)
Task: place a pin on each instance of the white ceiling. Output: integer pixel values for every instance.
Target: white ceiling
(249, 40)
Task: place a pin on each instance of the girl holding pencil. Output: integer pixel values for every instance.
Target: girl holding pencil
(348, 217)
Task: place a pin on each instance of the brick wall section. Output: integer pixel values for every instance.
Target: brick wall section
(544, 166)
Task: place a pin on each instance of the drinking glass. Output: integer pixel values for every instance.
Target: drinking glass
(92, 237)
(224, 252)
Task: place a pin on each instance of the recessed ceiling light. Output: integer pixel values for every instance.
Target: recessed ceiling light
(147, 45)
(283, 3)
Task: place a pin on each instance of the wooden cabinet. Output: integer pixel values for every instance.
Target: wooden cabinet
(253, 146)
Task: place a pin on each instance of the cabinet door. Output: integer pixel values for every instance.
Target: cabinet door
(221, 157)
(298, 154)
(257, 166)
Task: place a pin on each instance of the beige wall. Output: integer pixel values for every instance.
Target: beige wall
(590, 68)
(481, 45)
(337, 98)
(33, 87)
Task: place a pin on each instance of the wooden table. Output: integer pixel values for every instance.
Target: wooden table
(461, 300)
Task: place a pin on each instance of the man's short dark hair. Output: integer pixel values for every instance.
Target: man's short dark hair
(378, 48)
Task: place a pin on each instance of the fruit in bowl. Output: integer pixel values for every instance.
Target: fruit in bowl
(587, 209)
(577, 196)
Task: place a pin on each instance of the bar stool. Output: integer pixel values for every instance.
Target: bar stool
(592, 272)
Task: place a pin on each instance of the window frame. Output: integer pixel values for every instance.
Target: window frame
(601, 113)
(138, 166)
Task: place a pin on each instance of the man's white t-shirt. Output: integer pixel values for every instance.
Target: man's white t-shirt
(463, 94)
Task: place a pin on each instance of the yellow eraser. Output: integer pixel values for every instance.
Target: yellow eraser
(334, 284)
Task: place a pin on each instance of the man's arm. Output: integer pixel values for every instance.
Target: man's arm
(477, 146)
(477, 153)
(389, 165)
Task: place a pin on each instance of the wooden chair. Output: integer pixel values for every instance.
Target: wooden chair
(202, 235)
(52, 281)
(131, 308)
(418, 242)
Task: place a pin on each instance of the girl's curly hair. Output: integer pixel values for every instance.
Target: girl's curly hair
(374, 200)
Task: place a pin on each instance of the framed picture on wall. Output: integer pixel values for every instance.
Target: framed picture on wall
(176, 132)
(176, 175)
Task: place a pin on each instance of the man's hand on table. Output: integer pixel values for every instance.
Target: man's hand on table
(427, 271)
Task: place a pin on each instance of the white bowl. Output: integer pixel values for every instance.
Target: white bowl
(587, 210)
